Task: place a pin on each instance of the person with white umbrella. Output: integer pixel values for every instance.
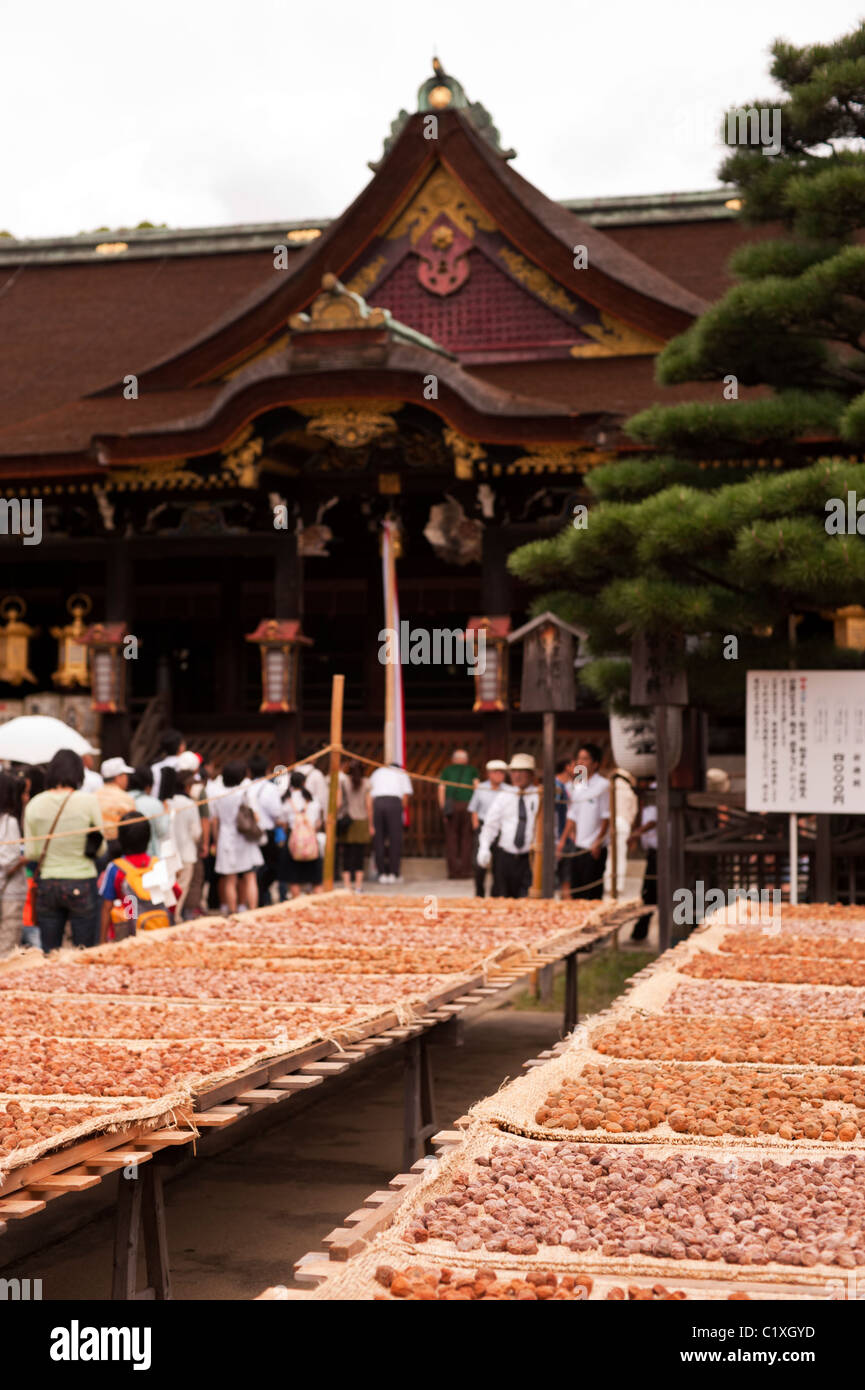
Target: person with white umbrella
(35, 738)
(65, 871)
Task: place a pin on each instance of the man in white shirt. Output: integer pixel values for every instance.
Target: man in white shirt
(483, 796)
(587, 824)
(511, 821)
(270, 810)
(389, 790)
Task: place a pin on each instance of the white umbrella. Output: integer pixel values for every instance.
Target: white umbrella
(35, 738)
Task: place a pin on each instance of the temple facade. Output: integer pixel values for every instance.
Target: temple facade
(217, 421)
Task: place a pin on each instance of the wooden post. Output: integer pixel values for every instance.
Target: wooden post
(333, 790)
(665, 920)
(614, 840)
(571, 1016)
(548, 844)
(538, 847)
(794, 857)
(117, 728)
(823, 861)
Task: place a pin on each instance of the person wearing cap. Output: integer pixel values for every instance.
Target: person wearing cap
(588, 824)
(511, 821)
(146, 804)
(114, 800)
(458, 781)
(483, 796)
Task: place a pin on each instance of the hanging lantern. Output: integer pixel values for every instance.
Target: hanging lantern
(107, 667)
(280, 643)
(490, 637)
(850, 627)
(15, 642)
(71, 651)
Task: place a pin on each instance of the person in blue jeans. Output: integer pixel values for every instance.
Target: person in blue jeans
(66, 887)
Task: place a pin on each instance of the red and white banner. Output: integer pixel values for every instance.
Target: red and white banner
(394, 717)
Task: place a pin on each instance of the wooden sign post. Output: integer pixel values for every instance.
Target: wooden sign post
(657, 680)
(333, 790)
(548, 685)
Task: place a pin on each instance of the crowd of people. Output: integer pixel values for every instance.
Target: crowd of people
(90, 855)
(93, 855)
(490, 825)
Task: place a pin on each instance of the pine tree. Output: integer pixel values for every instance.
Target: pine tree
(726, 530)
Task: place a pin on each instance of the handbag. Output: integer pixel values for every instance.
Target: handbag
(247, 822)
(29, 913)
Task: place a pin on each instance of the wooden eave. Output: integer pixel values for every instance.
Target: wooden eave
(615, 280)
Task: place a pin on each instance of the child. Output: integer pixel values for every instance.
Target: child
(127, 905)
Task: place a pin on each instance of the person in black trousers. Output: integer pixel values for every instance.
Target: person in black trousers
(647, 834)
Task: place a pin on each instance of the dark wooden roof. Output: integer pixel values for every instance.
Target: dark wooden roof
(180, 316)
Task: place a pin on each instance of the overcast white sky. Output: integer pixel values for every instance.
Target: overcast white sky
(206, 112)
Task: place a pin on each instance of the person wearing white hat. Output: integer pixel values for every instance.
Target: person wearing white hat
(511, 821)
(483, 796)
(114, 800)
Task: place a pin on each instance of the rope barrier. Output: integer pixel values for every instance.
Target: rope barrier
(258, 781)
(138, 820)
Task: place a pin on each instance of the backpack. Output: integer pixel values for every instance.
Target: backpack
(303, 841)
(144, 913)
(247, 823)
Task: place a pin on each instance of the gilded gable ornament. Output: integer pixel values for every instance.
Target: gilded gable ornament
(466, 452)
(613, 338)
(557, 458)
(240, 457)
(337, 307)
(441, 193)
(350, 425)
(537, 281)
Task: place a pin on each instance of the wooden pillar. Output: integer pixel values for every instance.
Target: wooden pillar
(333, 787)
(495, 603)
(116, 728)
(288, 603)
(823, 861)
(665, 904)
(229, 640)
(548, 879)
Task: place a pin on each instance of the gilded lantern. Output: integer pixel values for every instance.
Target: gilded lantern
(72, 664)
(15, 642)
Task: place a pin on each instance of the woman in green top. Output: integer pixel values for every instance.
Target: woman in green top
(66, 890)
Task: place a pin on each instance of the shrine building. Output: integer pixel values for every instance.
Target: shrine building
(217, 421)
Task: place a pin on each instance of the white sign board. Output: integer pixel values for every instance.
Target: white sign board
(806, 741)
